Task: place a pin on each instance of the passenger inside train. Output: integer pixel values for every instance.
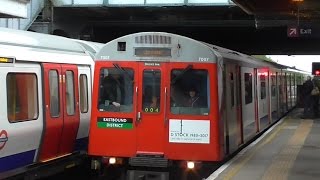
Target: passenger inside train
(116, 90)
(193, 100)
(189, 92)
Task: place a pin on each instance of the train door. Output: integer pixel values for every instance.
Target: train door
(114, 109)
(151, 111)
(263, 96)
(248, 104)
(274, 110)
(193, 110)
(293, 89)
(287, 89)
(61, 110)
(289, 95)
(85, 87)
(232, 125)
(282, 92)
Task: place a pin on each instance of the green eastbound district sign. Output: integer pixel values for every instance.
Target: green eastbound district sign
(111, 122)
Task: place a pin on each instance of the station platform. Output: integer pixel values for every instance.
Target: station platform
(288, 150)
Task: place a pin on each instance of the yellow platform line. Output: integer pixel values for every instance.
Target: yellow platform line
(243, 160)
(282, 163)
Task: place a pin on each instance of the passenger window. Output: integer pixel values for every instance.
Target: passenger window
(116, 89)
(22, 97)
(83, 91)
(273, 85)
(69, 96)
(231, 89)
(263, 92)
(189, 91)
(248, 87)
(151, 90)
(54, 93)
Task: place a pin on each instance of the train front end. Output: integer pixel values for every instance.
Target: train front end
(155, 103)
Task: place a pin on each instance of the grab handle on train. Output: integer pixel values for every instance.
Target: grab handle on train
(138, 117)
(165, 105)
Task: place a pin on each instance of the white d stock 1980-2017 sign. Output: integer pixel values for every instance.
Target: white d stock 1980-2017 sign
(189, 131)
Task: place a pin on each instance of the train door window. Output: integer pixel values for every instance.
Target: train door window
(273, 85)
(263, 91)
(83, 91)
(70, 99)
(189, 91)
(151, 91)
(293, 85)
(248, 87)
(54, 93)
(116, 89)
(288, 85)
(238, 82)
(22, 97)
(231, 89)
(280, 84)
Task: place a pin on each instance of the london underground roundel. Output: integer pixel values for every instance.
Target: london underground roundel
(3, 138)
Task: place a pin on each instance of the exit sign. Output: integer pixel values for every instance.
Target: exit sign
(299, 31)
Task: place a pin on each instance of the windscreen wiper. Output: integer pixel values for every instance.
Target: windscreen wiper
(181, 74)
(123, 71)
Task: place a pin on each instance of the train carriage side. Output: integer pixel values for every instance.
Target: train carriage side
(159, 69)
(251, 96)
(244, 109)
(46, 84)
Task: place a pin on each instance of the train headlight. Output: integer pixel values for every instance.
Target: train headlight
(112, 160)
(190, 165)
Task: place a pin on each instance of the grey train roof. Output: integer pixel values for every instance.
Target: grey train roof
(250, 60)
(182, 48)
(38, 40)
(91, 47)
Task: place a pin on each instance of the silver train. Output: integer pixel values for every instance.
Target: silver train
(46, 93)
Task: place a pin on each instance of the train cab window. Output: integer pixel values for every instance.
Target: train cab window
(22, 97)
(83, 91)
(54, 93)
(248, 87)
(116, 89)
(151, 91)
(263, 91)
(70, 99)
(189, 92)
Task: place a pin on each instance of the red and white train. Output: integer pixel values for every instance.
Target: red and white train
(148, 120)
(46, 96)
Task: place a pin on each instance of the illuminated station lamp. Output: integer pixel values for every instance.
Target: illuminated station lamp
(316, 68)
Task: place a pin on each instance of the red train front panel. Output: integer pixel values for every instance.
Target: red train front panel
(155, 116)
(111, 125)
(192, 128)
(155, 94)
